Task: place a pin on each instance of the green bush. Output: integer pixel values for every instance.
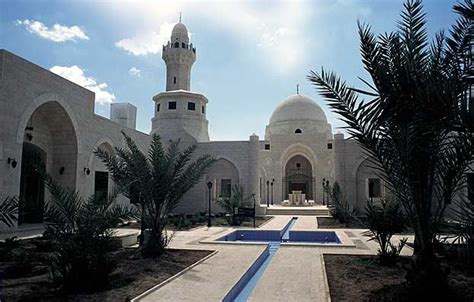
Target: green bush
(384, 219)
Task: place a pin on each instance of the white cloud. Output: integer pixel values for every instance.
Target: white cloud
(58, 33)
(76, 74)
(135, 72)
(148, 42)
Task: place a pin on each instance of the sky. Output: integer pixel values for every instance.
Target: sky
(250, 54)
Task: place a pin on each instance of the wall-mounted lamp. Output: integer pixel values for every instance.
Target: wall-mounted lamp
(29, 136)
(87, 171)
(61, 170)
(12, 162)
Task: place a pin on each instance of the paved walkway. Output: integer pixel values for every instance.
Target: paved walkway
(296, 273)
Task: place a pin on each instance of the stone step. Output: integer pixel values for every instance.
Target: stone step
(296, 211)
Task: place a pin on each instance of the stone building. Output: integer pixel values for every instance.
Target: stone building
(48, 118)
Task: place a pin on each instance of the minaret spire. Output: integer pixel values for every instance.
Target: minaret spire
(179, 17)
(297, 88)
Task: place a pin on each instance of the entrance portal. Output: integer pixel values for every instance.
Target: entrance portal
(31, 206)
(49, 144)
(298, 177)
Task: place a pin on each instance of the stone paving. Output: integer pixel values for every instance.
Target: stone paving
(296, 273)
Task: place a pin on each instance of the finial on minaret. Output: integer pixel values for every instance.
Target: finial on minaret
(297, 88)
(179, 17)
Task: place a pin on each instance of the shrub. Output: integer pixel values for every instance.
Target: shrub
(384, 219)
(237, 199)
(81, 234)
(341, 210)
(462, 228)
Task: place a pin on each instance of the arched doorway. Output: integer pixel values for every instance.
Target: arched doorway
(49, 141)
(298, 177)
(223, 174)
(102, 181)
(31, 207)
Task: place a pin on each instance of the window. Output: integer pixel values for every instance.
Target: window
(203, 110)
(298, 131)
(183, 45)
(298, 165)
(158, 108)
(101, 183)
(374, 188)
(176, 44)
(267, 146)
(172, 105)
(470, 187)
(191, 106)
(329, 146)
(174, 80)
(226, 187)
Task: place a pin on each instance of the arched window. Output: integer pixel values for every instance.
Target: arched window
(183, 45)
(298, 131)
(176, 44)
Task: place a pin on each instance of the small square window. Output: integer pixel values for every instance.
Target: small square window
(203, 110)
(298, 165)
(267, 146)
(191, 106)
(330, 146)
(158, 108)
(172, 105)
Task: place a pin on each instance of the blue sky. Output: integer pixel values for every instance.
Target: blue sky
(250, 55)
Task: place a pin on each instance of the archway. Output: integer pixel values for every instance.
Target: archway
(298, 176)
(49, 140)
(369, 184)
(100, 173)
(223, 174)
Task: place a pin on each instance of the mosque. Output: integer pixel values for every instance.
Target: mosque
(48, 118)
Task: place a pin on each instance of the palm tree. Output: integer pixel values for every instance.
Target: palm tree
(9, 211)
(411, 124)
(81, 232)
(156, 182)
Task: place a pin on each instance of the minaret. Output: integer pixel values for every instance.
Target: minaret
(179, 56)
(179, 113)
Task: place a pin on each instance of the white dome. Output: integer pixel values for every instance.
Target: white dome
(180, 33)
(298, 108)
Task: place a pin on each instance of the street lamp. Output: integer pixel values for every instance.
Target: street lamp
(209, 186)
(324, 188)
(273, 180)
(268, 193)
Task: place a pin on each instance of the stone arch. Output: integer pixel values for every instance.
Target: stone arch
(223, 174)
(102, 180)
(299, 176)
(362, 174)
(47, 126)
(106, 143)
(36, 103)
(298, 149)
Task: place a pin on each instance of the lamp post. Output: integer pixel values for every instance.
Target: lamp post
(324, 189)
(273, 180)
(209, 186)
(327, 192)
(268, 193)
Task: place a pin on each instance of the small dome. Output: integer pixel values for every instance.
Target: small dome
(297, 108)
(180, 33)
